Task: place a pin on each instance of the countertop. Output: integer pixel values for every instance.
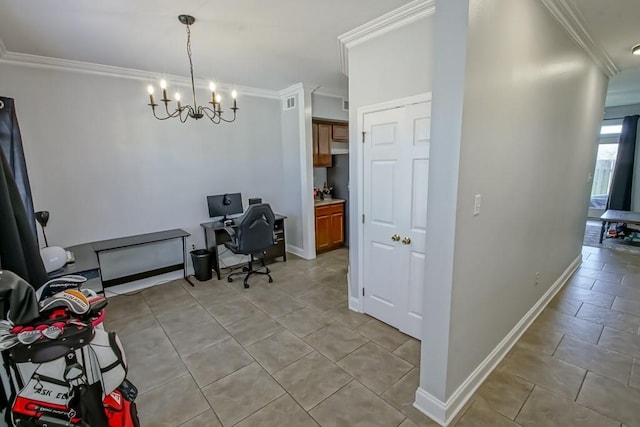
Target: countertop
(328, 202)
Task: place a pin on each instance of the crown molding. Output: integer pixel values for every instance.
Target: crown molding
(291, 90)
(46, 62)
(573, 22)
(390, 21)
(329, 95)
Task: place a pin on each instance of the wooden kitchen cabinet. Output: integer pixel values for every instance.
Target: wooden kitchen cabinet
(323, 133)
(321, 145)
(340, 132)
(329, 226)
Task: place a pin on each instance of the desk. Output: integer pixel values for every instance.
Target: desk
(215, 234)
(87, 261)
(611, 216)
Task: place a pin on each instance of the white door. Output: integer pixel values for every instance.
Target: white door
(396, 166)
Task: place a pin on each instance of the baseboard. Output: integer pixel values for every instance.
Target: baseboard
(296, 251)
(444, 412)
(354, 305)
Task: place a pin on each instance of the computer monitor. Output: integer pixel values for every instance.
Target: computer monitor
(224, 205)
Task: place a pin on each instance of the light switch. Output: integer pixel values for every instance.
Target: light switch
(476, 204)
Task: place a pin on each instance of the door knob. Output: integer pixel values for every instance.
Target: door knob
(406, 241)
(395, 237)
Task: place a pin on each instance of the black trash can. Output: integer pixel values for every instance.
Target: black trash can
(201, 259)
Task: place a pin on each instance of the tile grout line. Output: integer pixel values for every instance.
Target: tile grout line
(525, 401)
(558, 345)
(182, 360)
(581, 385)
(319, 403)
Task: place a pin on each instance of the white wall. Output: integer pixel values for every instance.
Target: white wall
(328, 107)
(531, 109)
(105, 168)
(380, 71)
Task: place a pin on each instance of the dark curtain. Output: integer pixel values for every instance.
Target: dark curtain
(622, 181)
(19, 250)
(11, 144)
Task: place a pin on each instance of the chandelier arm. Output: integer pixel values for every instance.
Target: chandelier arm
(160, 118)
(176, 113)
(186, 117)
(232, 120)
(211, 114)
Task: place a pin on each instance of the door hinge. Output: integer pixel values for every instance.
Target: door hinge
(363, 218)
(362, 291)
(363, 134)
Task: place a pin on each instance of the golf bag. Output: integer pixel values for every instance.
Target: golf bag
(64, 368)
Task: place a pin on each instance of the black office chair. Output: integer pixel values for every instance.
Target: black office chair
(253, 236)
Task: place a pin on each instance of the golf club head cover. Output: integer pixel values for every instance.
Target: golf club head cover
(59, 284)
(70, 299)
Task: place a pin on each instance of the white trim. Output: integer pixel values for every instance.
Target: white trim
(295, 250)
(46, 62)
(444, 413)
(330, 95)
(3, 49)
(306, 173)
(291, 90)
(397, 18)
(431, 406)
(355, 304)
(573, 22)
(395, 103)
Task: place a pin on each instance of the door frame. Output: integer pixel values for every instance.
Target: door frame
(356, 302)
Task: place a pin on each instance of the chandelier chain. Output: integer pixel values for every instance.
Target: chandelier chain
(193, 88)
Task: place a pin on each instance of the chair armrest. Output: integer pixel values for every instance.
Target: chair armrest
(230, 231)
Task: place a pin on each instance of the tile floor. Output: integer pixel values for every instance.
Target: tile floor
(290, 353)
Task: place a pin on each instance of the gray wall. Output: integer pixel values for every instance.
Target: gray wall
(327, 107)
(621, 111)
(531, 110)
(379, 71)
(104, 167)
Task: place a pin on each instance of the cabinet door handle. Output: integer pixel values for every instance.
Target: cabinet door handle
(406, 241)
(395, 237)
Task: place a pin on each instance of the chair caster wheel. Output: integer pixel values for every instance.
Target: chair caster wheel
(229, 279)
(246, 286)
(270, 280)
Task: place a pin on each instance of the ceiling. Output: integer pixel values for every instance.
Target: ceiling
(615, 26)
(263, 44)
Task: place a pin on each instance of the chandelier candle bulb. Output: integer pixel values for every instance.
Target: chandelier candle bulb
(150, 90)
(212, 87)
(178, 100)
(163, 85)
(234, 95)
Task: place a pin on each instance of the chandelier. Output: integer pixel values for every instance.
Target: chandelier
(195, 111)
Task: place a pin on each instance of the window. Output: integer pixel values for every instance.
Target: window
(605, 162)
(611, 130)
